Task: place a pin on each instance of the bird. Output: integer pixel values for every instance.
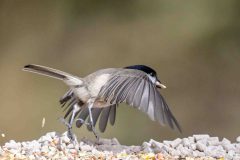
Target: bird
(97, 96)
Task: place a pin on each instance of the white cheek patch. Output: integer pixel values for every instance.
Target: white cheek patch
(97, 84)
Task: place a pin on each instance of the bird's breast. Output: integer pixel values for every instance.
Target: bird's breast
(96, 84)
(82, 93)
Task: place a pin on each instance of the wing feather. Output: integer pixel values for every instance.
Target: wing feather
(137, 90)
(104, 118)
(95, 114)
(112, 115)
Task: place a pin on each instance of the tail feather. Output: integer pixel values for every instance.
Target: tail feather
(54, 73)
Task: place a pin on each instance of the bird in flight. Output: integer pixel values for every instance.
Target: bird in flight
(96, 96)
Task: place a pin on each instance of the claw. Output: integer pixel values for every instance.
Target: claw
(82, 121)
(69, 129)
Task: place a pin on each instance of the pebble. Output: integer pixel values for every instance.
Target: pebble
(70, 146)
(86, 148)
(12, 145)
(200, 146)
(168, 143)
(191, 140)
(52, 134)
(155, 144)
(213, 141)
(238, 139)
(147, 147)
(65, 139)
(175, 153)
(200, 136)
(1, 151)
(186, 142)
(193, 146)
(230, 154)
(198, 154)
(215, 151)
(176, 142)
(56, 146)
(225, 141)
(229, 147)
(44, 149)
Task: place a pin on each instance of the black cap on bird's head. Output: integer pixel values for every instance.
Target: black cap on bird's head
(148, 71)
(143, 68)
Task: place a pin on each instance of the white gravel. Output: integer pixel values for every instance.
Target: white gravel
(199, 146)
(54, 146)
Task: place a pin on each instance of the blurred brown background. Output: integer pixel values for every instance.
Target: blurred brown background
(193, 45)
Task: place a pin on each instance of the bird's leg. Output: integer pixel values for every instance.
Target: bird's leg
(83, 121)
(69, 124)
(90, 105)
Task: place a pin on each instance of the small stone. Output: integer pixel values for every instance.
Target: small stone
(12, 145)
(51, 153)
(215, 151)
(231, 153)
(55, 141)
(65, 139)
(13, 151)
(19, 156)
(167, 148)
(52, 148)
(176, 142)
(70, 146)
(52, 134)
(198, 137)
(191, 140)
(193, 146)
(237, 146)
(229, 147)
(168, 143)
(44, 149)
(238, 139)
(200, 146)
(175, 152)
(155, 144)
(86, 148)
(236, 157)
(147, 150)
(145, 144)
(225, 141)
(1, 150)
(186, 142)
(203, 141)
(46, 138)
(32, 157)
(73, 151)
(184, 150)
(198, 154)
(213, 141)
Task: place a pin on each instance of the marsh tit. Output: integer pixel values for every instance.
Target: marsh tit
(97, 95)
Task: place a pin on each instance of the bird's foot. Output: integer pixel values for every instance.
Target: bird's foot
(79, 120)
(89, 125)
(70, 134)
(95, 132)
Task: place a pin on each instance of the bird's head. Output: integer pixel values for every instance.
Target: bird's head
(152, 74)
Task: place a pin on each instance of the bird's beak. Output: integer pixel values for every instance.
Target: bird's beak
(160, 85)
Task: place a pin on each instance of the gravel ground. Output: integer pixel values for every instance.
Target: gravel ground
(57, 146)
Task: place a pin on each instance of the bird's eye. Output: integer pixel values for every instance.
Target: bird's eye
(151, 74)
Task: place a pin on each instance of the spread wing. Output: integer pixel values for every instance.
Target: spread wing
(136, 89)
